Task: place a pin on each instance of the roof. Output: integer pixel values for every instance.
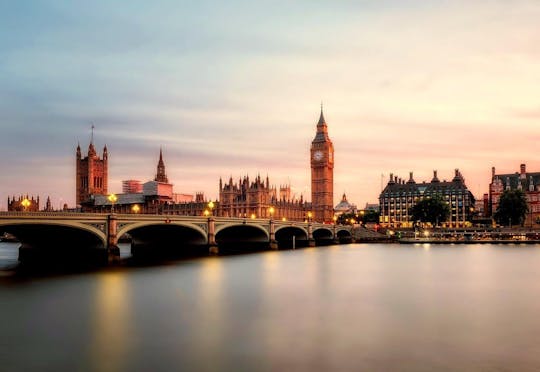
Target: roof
(121, 199)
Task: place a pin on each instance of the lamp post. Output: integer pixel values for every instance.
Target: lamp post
(273, 243)
(112, 198)
(211, 207)
(136, 208)
(309, 216)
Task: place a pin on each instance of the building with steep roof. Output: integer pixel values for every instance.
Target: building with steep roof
(322, 173)
(254, 199)
(528, 182)
(399, 196)
(91, 173)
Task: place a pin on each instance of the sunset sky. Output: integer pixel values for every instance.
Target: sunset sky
(234, 88)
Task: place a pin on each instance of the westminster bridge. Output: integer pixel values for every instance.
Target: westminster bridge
(78, 234)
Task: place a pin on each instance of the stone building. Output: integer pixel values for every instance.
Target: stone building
(23, 204)
(91, 173)
(322, 173)
(254, 199)
(399, 196)
(528, 182)
(344, 207)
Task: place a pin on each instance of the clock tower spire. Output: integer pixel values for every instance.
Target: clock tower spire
(322, 173)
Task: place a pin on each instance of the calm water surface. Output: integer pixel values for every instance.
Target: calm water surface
(339, 308)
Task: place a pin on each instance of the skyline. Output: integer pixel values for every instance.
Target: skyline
(406, 87)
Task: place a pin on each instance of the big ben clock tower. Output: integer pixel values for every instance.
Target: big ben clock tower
(322, 173)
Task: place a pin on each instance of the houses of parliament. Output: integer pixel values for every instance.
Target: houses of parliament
(255, 198)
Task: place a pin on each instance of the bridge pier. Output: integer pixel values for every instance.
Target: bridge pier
(311, 241)
(213, 248)
(273, 244)
(113, 252)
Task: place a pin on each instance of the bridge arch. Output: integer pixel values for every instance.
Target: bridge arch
(240, 237)
(344, 235)
(289, 236)
(138, 225)
(165, 240)
(57, 243)
(28, 230)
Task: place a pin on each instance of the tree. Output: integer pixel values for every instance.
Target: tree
(431, 209)
(512, 208)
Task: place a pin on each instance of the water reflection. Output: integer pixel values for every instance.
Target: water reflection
(111, 333)
(350, 307)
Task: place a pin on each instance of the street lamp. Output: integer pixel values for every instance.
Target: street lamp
(25, 203)
(309, 216)
(206, 213)
(112, 198)
(253, 216)
(334, 219)
(136, 208)
(271, 210)
(211, 207)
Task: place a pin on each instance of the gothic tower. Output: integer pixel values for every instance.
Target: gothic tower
(91, 172)
(322, 173)
(161, 176)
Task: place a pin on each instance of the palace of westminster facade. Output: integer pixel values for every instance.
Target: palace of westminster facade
(245, 198)
(257, 198)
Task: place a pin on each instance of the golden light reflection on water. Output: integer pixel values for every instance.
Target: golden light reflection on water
(111, 338)
(210, 308)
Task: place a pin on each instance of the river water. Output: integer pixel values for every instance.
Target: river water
(369, 307)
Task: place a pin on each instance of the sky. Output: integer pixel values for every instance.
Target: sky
(234, 88)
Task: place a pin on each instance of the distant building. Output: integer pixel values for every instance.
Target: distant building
(399, 196)
(131, 186)
(254, 199)
(91, 173)
(322, 173)
(372, 207)
(344, 207)
(23, 204)
(528, 182)
(151, 197)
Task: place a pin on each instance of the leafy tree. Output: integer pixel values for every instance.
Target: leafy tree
(512, 208)
(431, 209)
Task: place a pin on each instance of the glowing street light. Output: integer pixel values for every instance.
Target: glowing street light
(309, 216)
(334, 219)
(271, 210)
(25, 203)
(136, 208)
(253, 216)
(206, 212)
(211, 207)
(112, 198)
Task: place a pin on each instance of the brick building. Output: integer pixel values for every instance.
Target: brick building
(528, 182)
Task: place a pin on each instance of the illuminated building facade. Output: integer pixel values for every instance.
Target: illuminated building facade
(91, 174)
(23, 204)
(254, 199)
(399, 196)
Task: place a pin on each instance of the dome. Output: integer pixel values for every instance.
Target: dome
(344, 206)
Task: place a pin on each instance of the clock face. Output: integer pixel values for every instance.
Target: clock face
(317, 155)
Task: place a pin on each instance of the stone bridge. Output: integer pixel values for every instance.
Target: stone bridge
(82, 232)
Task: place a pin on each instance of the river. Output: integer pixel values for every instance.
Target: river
(368, 307)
